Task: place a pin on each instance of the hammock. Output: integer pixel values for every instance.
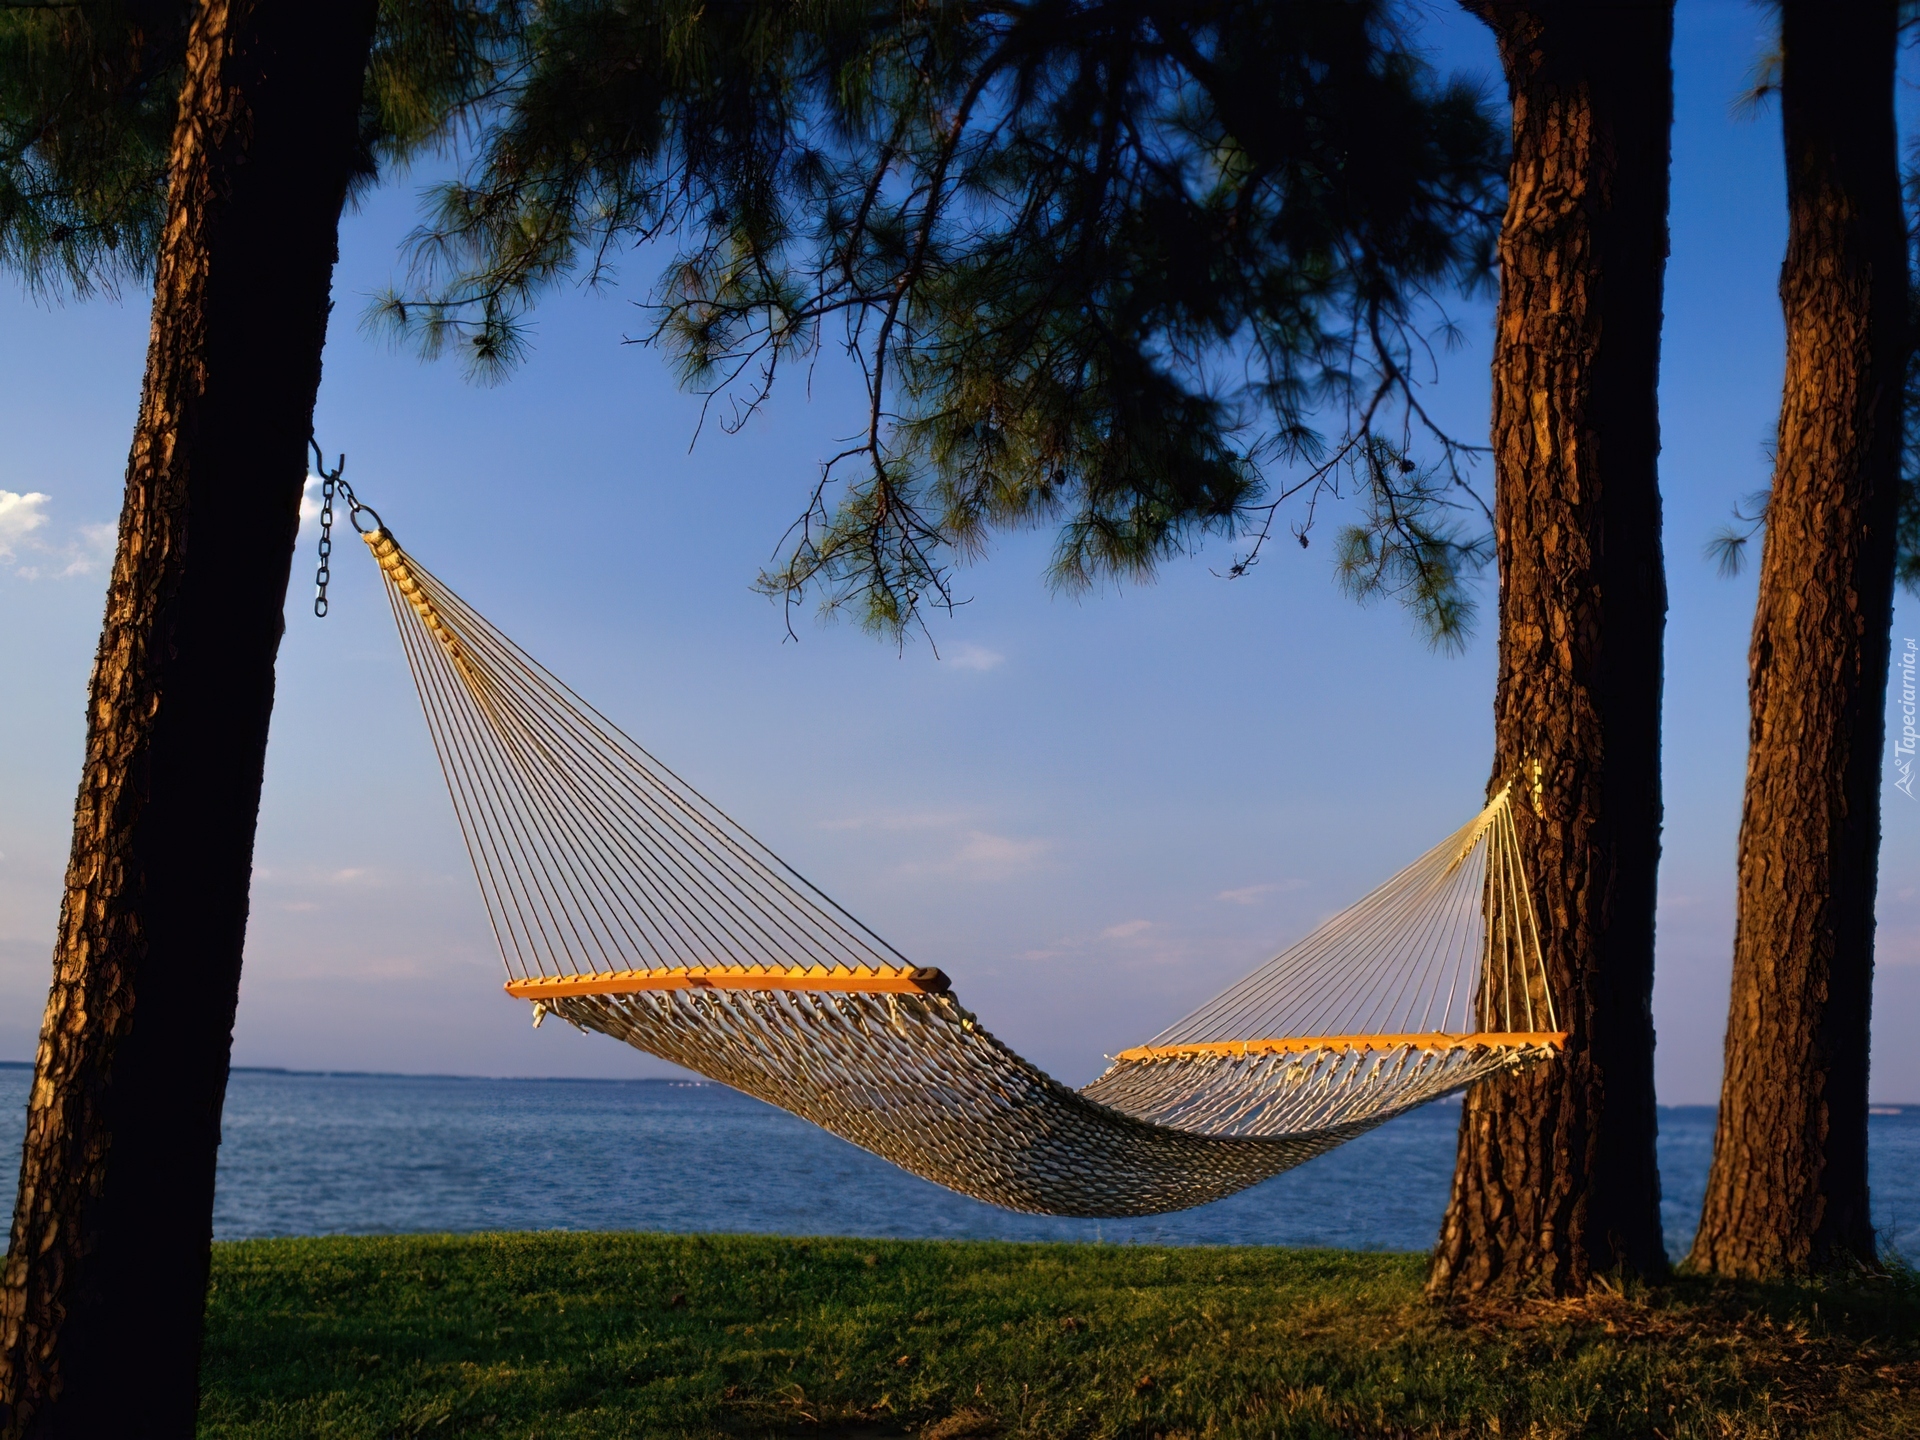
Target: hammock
(625, 903)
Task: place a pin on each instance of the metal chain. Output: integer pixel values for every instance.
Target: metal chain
(332, 483)
(325, 572)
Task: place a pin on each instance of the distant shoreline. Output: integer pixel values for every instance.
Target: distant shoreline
(1877, 1107)
(434, 1075)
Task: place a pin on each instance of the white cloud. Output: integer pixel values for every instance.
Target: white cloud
(968, 656)
(92, 550)
(20, 516)
(1254, 894)
(916, 820)
(23, 518)
(1142, 942)
(977, 853)
(981, 851)
(984, 856)
(310, 502)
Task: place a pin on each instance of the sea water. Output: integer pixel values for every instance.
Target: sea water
(306, 1154)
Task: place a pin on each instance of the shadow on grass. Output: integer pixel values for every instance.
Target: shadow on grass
(559, 1335)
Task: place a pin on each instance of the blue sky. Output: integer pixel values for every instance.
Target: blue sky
(1093, 813)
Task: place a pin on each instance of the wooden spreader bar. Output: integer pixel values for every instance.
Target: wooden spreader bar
(1437, 1040)
(859, 980)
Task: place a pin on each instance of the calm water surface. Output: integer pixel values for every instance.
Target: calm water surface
(378, 1154)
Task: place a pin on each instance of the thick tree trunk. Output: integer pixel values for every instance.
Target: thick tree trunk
(1787, 1193)
(1556, 1181)
(106, 1273)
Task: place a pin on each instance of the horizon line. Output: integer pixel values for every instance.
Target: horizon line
(1872, 1105)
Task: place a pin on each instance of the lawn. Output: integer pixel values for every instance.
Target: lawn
(572, 1335)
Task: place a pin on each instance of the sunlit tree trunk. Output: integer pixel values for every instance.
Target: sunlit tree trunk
(1556, 1180)
(105, 1278)
(1787, 1192)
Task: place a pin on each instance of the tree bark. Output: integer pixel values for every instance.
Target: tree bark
(1556, 1182)
(105, 1280)
(1787, 1191)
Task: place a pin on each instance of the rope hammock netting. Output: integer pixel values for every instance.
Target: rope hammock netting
(626, 903)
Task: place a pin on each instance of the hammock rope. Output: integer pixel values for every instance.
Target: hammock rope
(626, 903)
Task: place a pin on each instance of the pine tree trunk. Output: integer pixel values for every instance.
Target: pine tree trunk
(105, 1279)
(1556, 1181)
(1787, 1192)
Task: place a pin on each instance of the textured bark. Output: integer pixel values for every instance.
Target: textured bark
(105, 1279)
(1556, 1181)
(1787, 1192)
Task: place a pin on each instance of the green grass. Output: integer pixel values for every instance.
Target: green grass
(561, 1335)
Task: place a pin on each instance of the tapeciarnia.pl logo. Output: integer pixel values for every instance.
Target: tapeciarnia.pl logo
(1904, 746)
